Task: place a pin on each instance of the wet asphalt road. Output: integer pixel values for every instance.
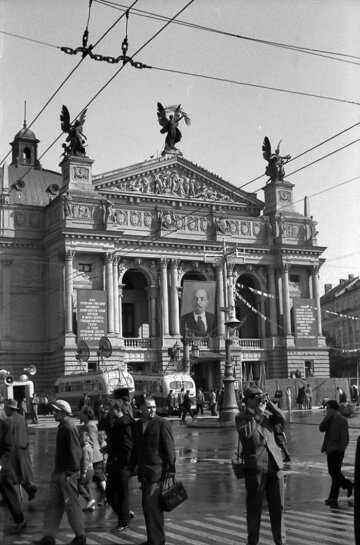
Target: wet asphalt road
(215, 510)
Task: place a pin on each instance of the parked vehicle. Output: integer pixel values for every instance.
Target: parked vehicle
(93, 383)
(159, 386)
(16, 389)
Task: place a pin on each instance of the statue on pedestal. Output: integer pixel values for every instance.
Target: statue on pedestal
(76, 139)
(275, 169)
(170, 126)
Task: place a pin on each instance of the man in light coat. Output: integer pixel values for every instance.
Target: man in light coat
(263, 463)
(336, 440)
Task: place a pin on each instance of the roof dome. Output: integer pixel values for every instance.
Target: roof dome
(25, 133)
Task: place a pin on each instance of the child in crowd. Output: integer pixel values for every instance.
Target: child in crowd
(86, 471)
(103, 444)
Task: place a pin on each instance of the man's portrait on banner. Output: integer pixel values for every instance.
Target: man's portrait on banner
(198, 318)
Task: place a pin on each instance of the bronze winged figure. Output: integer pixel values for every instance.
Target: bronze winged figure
(75, 139)
(275, 168)
(170, 125)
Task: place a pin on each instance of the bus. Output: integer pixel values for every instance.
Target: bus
(16, 389)
(93, 383)
(159, 385)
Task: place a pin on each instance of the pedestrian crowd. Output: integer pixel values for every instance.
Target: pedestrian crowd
(115, 442)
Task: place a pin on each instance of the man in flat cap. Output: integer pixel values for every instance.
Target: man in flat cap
(64, 495)
(20, 459)
(263, 463)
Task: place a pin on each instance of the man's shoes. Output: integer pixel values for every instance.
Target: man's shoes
(350, 489)
(46, 540)
(331, 502)
(78, 540)
(31, 490)
(21, 525)
(120, 528)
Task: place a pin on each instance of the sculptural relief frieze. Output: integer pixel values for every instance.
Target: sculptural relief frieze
(173, 183)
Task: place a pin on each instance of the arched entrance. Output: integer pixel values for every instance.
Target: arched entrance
(135, 311)
(244, 312)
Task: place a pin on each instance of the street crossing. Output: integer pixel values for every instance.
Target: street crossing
(316, 527)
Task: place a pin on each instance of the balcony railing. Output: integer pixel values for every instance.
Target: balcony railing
(137, 343)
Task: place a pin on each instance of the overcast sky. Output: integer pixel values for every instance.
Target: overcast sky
(229, 120)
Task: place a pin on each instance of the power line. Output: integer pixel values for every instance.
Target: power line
(300, 49)
(307, 151)
(66, 79)
(254, 85)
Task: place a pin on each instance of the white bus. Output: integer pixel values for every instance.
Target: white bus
(93, 383)
(159, 386)
(16, 389)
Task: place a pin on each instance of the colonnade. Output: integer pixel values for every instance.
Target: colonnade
(163, 299)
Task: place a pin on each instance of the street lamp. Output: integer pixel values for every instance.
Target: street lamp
(230, 406)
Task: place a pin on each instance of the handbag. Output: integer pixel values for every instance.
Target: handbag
(173, 494)
(238, 464)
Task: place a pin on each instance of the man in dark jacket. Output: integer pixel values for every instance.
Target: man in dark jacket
(336, 440)
(118, 449)
(7, 489)
(263, 463)
(64, 495)
(20, 458)
(154, 456)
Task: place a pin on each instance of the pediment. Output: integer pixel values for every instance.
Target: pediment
(175, 179)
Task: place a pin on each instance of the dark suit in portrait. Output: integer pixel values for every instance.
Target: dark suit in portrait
(192, 327)
(154, 456)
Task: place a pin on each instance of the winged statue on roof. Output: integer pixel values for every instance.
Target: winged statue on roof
(170, 125)
(75, 141)
(275, 168)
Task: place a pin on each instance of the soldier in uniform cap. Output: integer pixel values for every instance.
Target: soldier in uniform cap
(263, 463)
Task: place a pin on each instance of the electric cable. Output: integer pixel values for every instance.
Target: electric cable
(300, 49)
(67, 78)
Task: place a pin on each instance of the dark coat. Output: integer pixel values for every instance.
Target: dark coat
(20, 458)
(257, 438)
(336, 430)
(189, 325)
(6, 449)
(120, 443)
(154, 449)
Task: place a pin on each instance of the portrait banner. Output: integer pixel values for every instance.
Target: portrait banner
(198, 316)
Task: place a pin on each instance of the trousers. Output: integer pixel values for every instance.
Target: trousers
(334, 462)
(270, 483)
(10, 496)
(63, 497)
(153, 512)
(117, 492)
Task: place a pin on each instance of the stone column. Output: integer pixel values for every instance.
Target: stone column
(152, 295)
(316, 295)
(164, 296)
(220, 300)
(261, 304)
(69, 256)
(272, 301)
(116, 295)
(286, 299)
(109, 259)
(175, 322)
(121, 295)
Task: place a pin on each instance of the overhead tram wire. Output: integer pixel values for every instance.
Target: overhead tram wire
(306, 151)
(116, 73)
(67, 78)
(300, 49)
(258, 86)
